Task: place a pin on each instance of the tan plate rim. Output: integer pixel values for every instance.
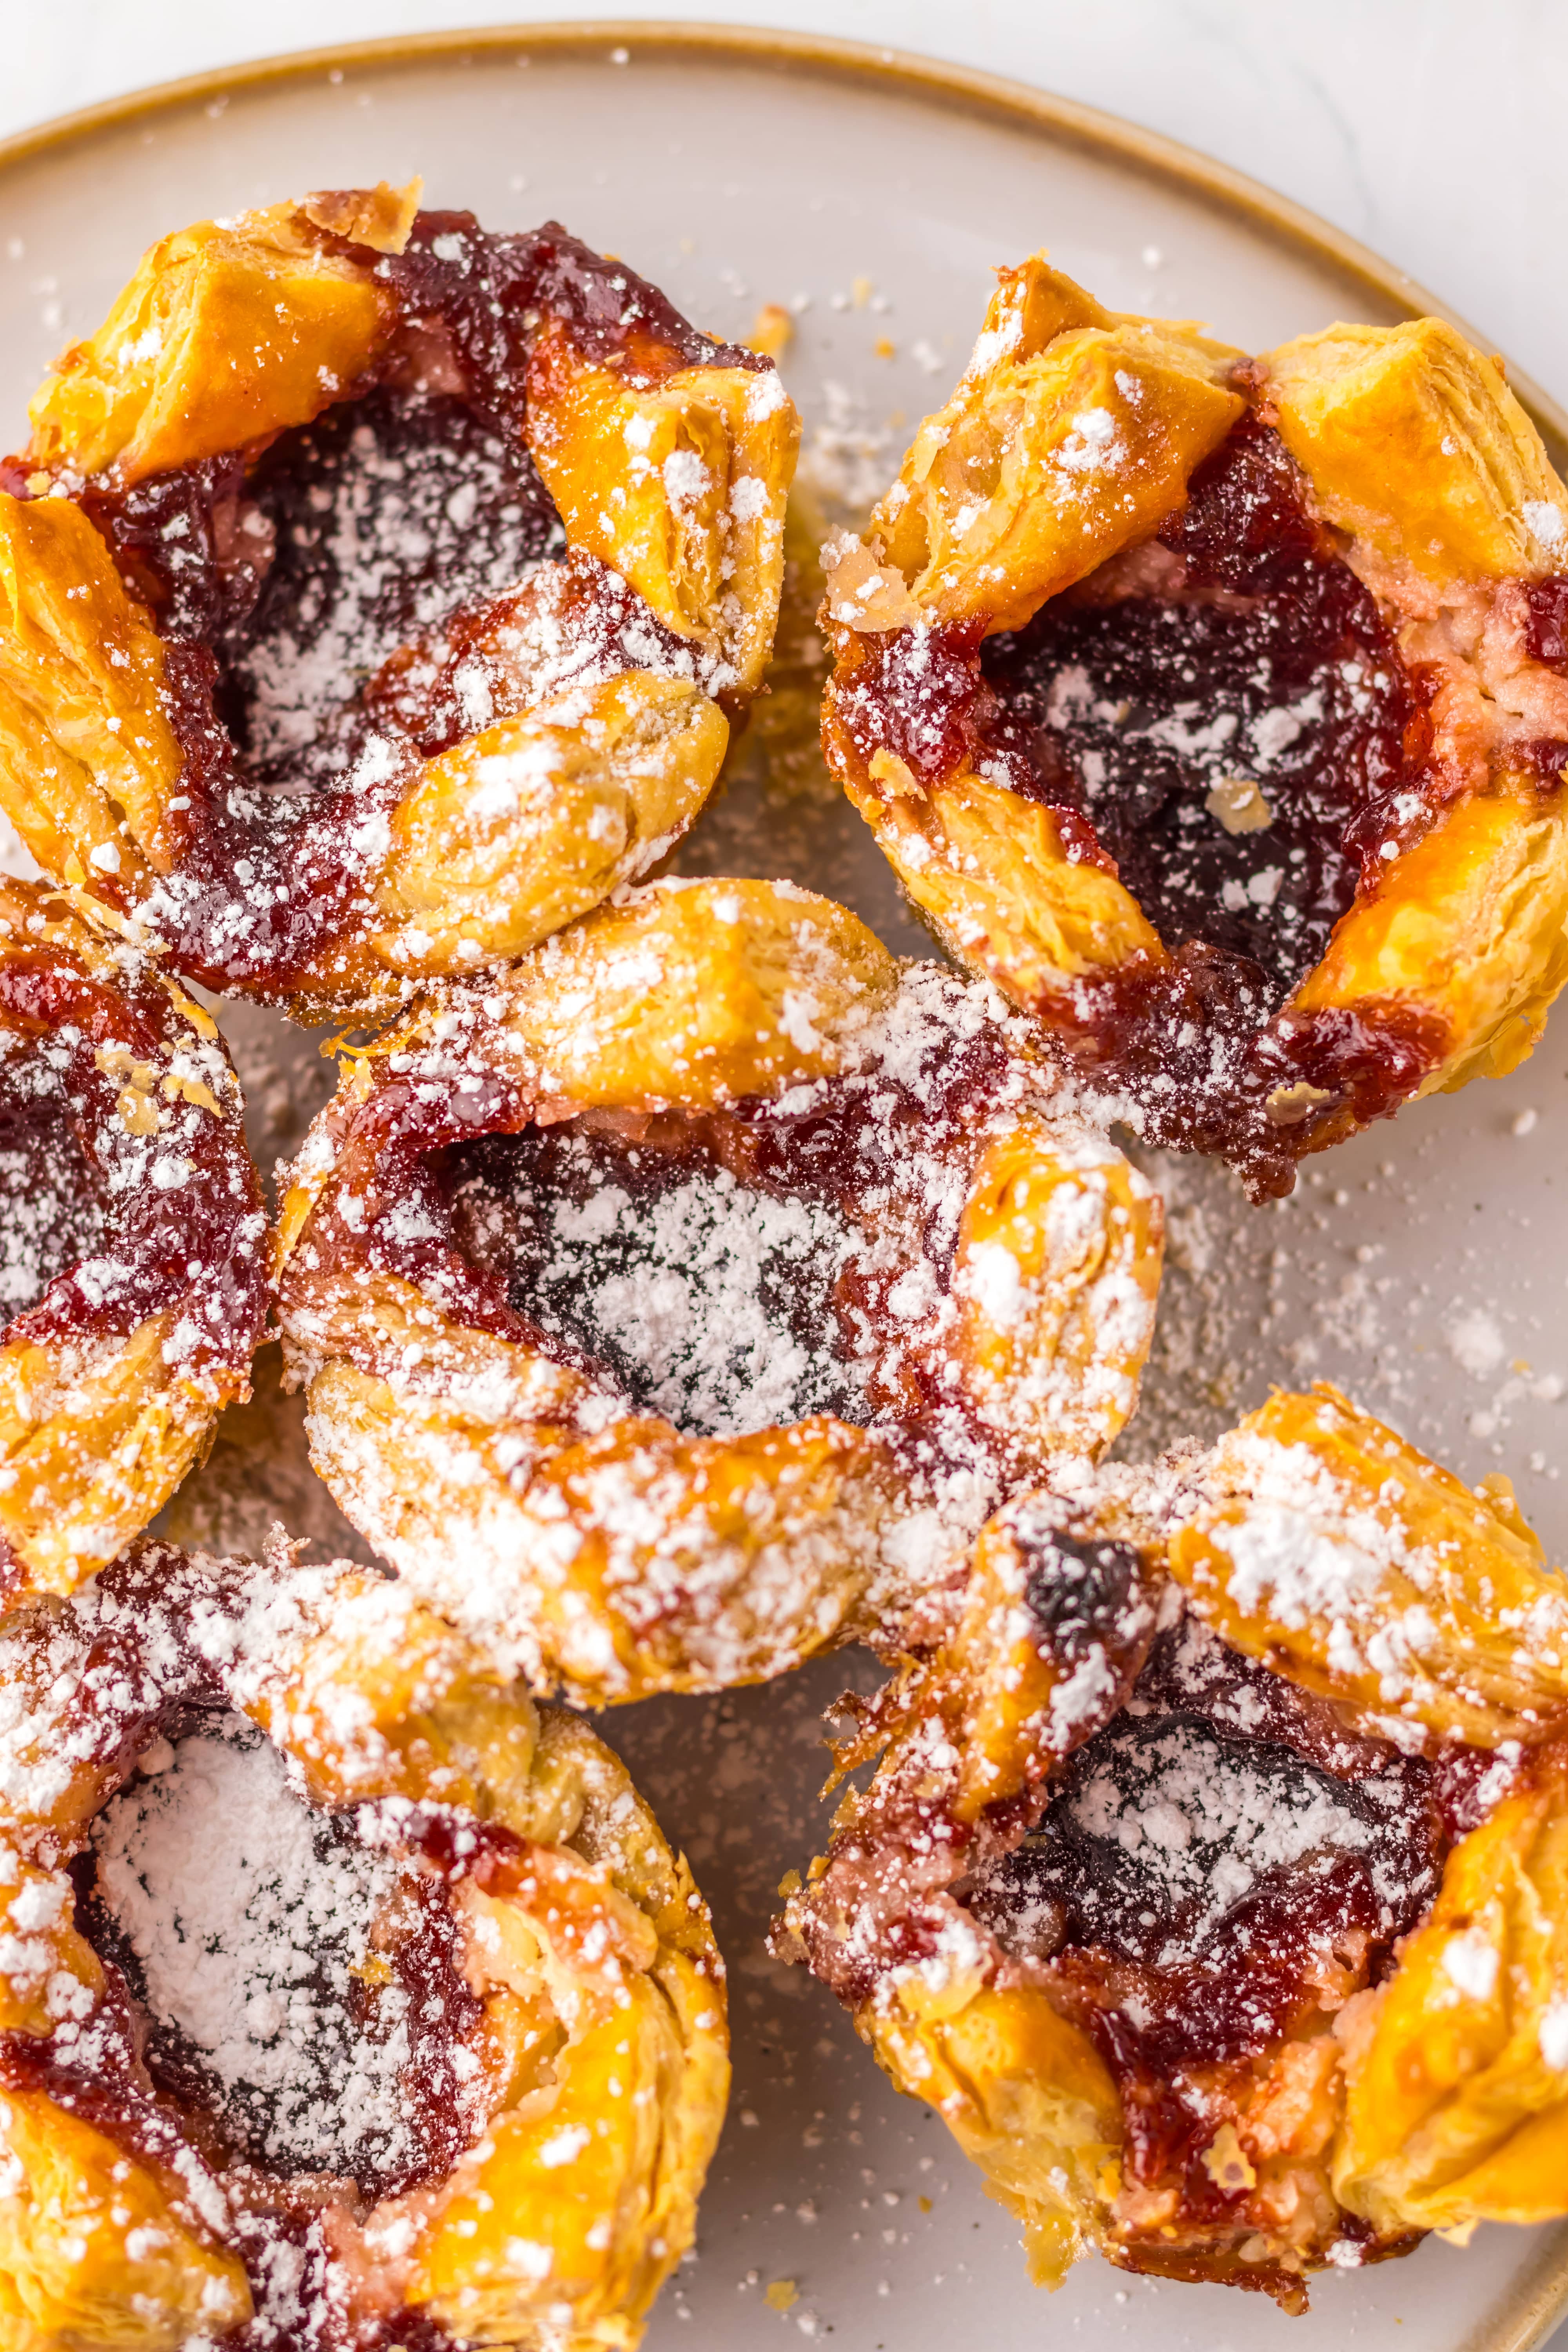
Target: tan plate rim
(1541, 2297)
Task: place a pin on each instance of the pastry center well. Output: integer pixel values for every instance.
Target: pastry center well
(1198, 1887)
(711, 1302)
(277, 1962)
(1226, 709)
(373, 525)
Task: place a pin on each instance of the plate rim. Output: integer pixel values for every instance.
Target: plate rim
(1539, 2298)
(962, 88)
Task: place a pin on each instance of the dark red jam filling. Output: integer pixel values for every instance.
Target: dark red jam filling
(1209, 1861)
(285, 585)
(785, 1250)
(53, 1212)
(422, 2000)
(491, 294)
(1546, 625)
(647, 1262)
(371, 528)
(1083, 1592)
(106, 1227)
(1236, 651)
(1274, 665)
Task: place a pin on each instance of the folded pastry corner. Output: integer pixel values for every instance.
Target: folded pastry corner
(681, 1301)
(376, 592)
(342, 1988)
(1217, 709)
(1212, 1880)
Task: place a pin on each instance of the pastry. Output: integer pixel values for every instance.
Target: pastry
(1217, 709)
(682, 1300)
(133, 1241)
(344, 1996)
(375, 591)
(1214, 1881)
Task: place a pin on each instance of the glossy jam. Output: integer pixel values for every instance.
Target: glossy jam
(102, 1261)
(1218, 1868)
(1267, 661)
(283, 590)
(1235, 647)
(1546, 628)
(1083, 1593)
(868, 1175)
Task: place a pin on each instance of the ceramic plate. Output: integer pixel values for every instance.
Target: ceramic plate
(1423, 1267)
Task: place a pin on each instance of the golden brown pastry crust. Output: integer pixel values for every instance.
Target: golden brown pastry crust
(1319, 1542)
(113, 1376)
(1002, 501)
(228, 332)
(600, 2052)
(1404, 2085)
(498, 772)
(599, 1545)
(1432, 485)
(1456, 2097)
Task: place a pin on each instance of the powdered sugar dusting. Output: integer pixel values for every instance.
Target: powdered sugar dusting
(699, 1315)
(386, 534)
(252, 1925)
(53, 1209)
(1204, 1822)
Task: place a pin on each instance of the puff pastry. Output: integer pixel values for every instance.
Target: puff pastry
(1213, 1883)
(375, 591)
(1217, 709)
(133, 1258)
(682, 1302)
(342, 1990)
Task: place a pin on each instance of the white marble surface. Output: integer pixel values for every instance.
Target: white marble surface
(1430, 127)
(1429, 134)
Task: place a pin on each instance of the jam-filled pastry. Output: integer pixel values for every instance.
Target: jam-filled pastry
(346, 1997)
(683, 1301)
(1217, 708)
(133, 1241)
(375, 591)
(1213, 1884)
